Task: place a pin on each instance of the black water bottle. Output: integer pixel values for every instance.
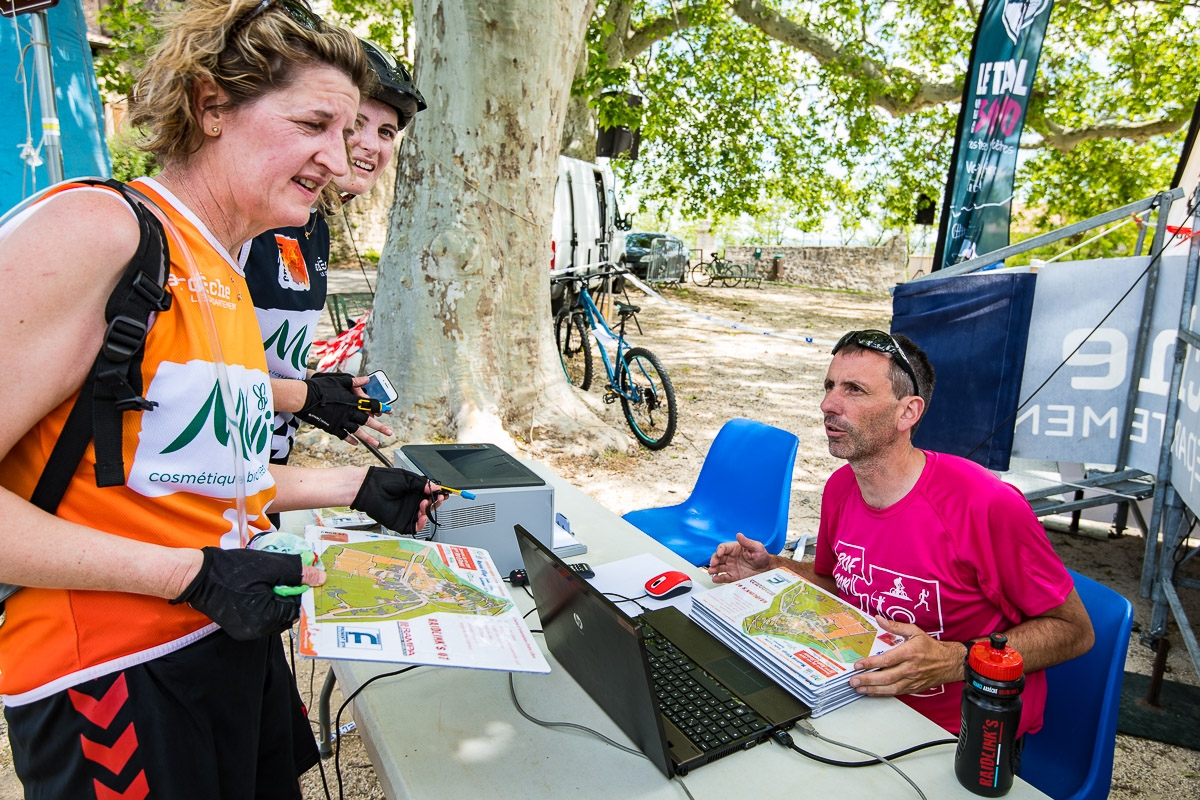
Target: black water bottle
(991, 709)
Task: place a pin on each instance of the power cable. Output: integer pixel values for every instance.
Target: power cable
(512, 691)
(805, 727)
(337, 721)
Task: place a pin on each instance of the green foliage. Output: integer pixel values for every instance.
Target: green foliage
(129, 161)
(130, 24)
(385, 22)
(736, 121)
(726, 129)
(1095, 177)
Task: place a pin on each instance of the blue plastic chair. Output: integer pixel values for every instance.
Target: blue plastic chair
(1072, 755)
(744, 485)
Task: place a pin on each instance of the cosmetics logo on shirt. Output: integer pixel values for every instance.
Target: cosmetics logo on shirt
(188, 443)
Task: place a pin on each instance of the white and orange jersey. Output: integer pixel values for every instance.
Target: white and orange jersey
(181, 475)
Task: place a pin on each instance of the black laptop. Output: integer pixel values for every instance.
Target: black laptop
(681, 695)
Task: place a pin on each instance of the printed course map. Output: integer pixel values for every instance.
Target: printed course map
(812, 619)
(392, 579)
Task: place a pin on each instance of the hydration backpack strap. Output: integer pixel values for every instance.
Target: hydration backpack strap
(114, 384)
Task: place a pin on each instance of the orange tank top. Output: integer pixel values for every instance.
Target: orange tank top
(180, 476)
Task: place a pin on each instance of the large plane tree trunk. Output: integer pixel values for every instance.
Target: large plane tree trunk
(462, 311)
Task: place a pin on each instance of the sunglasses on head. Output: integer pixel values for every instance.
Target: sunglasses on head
(300, 13)
(881, 342)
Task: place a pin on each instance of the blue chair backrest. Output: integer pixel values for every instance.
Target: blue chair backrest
(748, 473)
(1072, 755)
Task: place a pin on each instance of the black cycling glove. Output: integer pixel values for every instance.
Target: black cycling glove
(234, 589)
(392, 497)
(333, 406)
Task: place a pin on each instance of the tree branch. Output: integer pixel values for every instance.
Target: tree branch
(660, 28)
(1056, 137)
(907, 91)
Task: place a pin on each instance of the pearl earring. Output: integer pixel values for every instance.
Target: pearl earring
(215, 129)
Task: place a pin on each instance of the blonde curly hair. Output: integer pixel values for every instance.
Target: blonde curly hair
(244, 53)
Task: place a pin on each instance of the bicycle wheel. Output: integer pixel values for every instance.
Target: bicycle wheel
(702, 273)
(574, 345)
(732, 275)
(652, 413)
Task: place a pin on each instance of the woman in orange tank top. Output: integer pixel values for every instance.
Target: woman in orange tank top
(144, 623)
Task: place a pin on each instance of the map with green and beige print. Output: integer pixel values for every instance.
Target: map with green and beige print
(394, 579)
(813, 619)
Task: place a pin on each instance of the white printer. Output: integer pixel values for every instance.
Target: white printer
(507, 493)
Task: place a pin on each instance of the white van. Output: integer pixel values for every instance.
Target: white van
(587, 229)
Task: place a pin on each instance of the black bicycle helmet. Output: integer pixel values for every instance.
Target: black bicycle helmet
(393, 82)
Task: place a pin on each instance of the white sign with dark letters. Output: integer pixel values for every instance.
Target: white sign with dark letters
(1077, 416)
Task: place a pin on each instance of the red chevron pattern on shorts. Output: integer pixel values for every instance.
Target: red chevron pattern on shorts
(138, 790)
(112, 758)
(101, 712)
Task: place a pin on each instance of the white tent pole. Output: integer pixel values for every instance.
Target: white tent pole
(44, 72)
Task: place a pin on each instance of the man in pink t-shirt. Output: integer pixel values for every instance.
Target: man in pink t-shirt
(938, 548)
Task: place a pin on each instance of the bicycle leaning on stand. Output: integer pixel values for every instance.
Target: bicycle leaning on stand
(635, 375)
(728, 273)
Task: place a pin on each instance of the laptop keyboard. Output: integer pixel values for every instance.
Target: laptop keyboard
(699, 706)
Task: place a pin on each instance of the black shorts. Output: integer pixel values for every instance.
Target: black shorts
(217, 719)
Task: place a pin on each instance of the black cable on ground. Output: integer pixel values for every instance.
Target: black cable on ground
(337, 721)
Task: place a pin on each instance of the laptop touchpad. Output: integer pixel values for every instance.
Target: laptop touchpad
(738, 675)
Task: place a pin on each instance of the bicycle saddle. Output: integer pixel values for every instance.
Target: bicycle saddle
(625, 308)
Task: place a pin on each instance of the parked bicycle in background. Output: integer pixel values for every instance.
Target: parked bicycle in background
(717, 270)
(635, 375)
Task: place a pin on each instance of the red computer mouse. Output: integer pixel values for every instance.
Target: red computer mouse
(671, 583)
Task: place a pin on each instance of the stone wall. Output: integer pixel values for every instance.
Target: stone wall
(860, 269)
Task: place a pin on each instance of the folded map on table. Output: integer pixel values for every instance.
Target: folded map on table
(805, 638)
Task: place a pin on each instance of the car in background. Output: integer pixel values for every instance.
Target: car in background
(641, 252)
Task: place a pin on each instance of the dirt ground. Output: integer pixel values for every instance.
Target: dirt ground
(720, 372)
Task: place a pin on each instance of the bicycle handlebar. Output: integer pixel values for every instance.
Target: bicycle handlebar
(580, 278)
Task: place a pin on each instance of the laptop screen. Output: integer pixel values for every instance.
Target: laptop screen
(598, 645)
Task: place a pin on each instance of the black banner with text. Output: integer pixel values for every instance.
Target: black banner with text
(1004, 58)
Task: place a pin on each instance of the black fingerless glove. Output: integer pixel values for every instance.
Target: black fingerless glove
(392, 497)
(332, 404)
(234, 589)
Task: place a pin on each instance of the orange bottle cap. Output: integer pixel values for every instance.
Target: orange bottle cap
(995, 660)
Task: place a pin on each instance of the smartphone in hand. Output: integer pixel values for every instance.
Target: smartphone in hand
(378, 387)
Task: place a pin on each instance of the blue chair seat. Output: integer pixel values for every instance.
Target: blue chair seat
(745, 484)
(1071, 757)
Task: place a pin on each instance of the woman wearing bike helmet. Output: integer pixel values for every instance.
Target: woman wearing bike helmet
(286, 271)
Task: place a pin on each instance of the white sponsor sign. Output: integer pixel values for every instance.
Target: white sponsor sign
(1077, 416)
